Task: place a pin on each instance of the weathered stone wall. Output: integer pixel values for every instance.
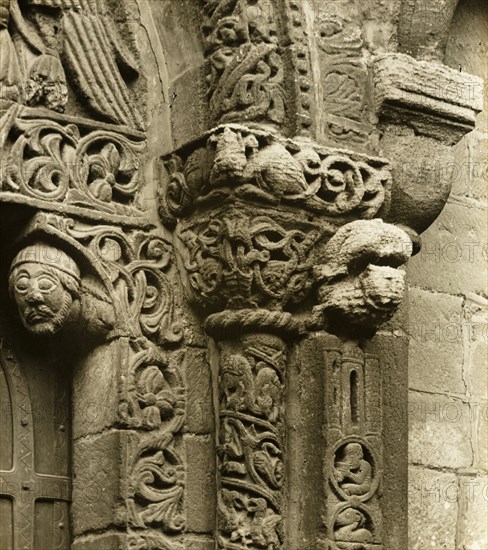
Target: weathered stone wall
(448, 378)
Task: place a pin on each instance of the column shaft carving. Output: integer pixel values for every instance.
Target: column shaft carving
(251, 442)
(353, 419)
(282, 236)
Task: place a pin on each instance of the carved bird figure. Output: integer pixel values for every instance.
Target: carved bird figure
(77, 38)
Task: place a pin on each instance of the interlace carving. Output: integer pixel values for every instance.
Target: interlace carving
(241, 261)
(62, 162)
(245, 74)
(251, 445)
(344, 75)
(122, 288)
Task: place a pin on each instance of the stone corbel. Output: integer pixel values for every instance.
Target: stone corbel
(423, 109)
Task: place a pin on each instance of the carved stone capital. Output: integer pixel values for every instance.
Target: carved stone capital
(423, 109)
(235, 163)
(261, 221)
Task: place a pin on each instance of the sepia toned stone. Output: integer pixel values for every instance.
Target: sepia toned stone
(206, 210)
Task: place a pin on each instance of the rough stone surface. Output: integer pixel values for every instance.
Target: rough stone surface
(200, 496)
(479, 416)
(199, 543)
(469, 167)
(101, 542)
(436, 342)
(98, 491)
(476, 512)
(410, 92)
(456, 246)
(199, 412)
(433, 509)
(476, 346)
(95, 389)
(439, 431)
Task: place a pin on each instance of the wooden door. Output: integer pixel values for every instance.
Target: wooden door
(35, 483)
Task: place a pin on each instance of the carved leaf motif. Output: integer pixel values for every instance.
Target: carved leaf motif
(157, 398)
(136, 268)
(151, 540)
(158, 489)
(245, 71)
(54, 162)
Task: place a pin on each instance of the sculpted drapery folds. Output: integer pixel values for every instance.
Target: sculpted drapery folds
(78, 32)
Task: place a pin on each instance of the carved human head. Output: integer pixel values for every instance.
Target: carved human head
(353, 452)
(44, 281)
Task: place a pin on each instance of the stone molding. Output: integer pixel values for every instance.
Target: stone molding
(431, 98)
(71, 164)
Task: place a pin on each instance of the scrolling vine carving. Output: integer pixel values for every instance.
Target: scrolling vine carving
(243, 261)
(257, 166)
(65, 162)
(126, 271)
(251, 445)
(245, 70)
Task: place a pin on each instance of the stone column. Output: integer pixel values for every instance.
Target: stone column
(252, 367)
(263, 230)
(283, 207)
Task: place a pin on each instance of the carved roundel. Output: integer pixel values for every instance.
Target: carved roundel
(354, 469)
(353, 527)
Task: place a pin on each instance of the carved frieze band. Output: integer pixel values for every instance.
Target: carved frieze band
(260, 70)
(245, 69)
(72, 164)
(258, 166)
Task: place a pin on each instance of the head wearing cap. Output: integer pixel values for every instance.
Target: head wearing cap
(47, 255)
